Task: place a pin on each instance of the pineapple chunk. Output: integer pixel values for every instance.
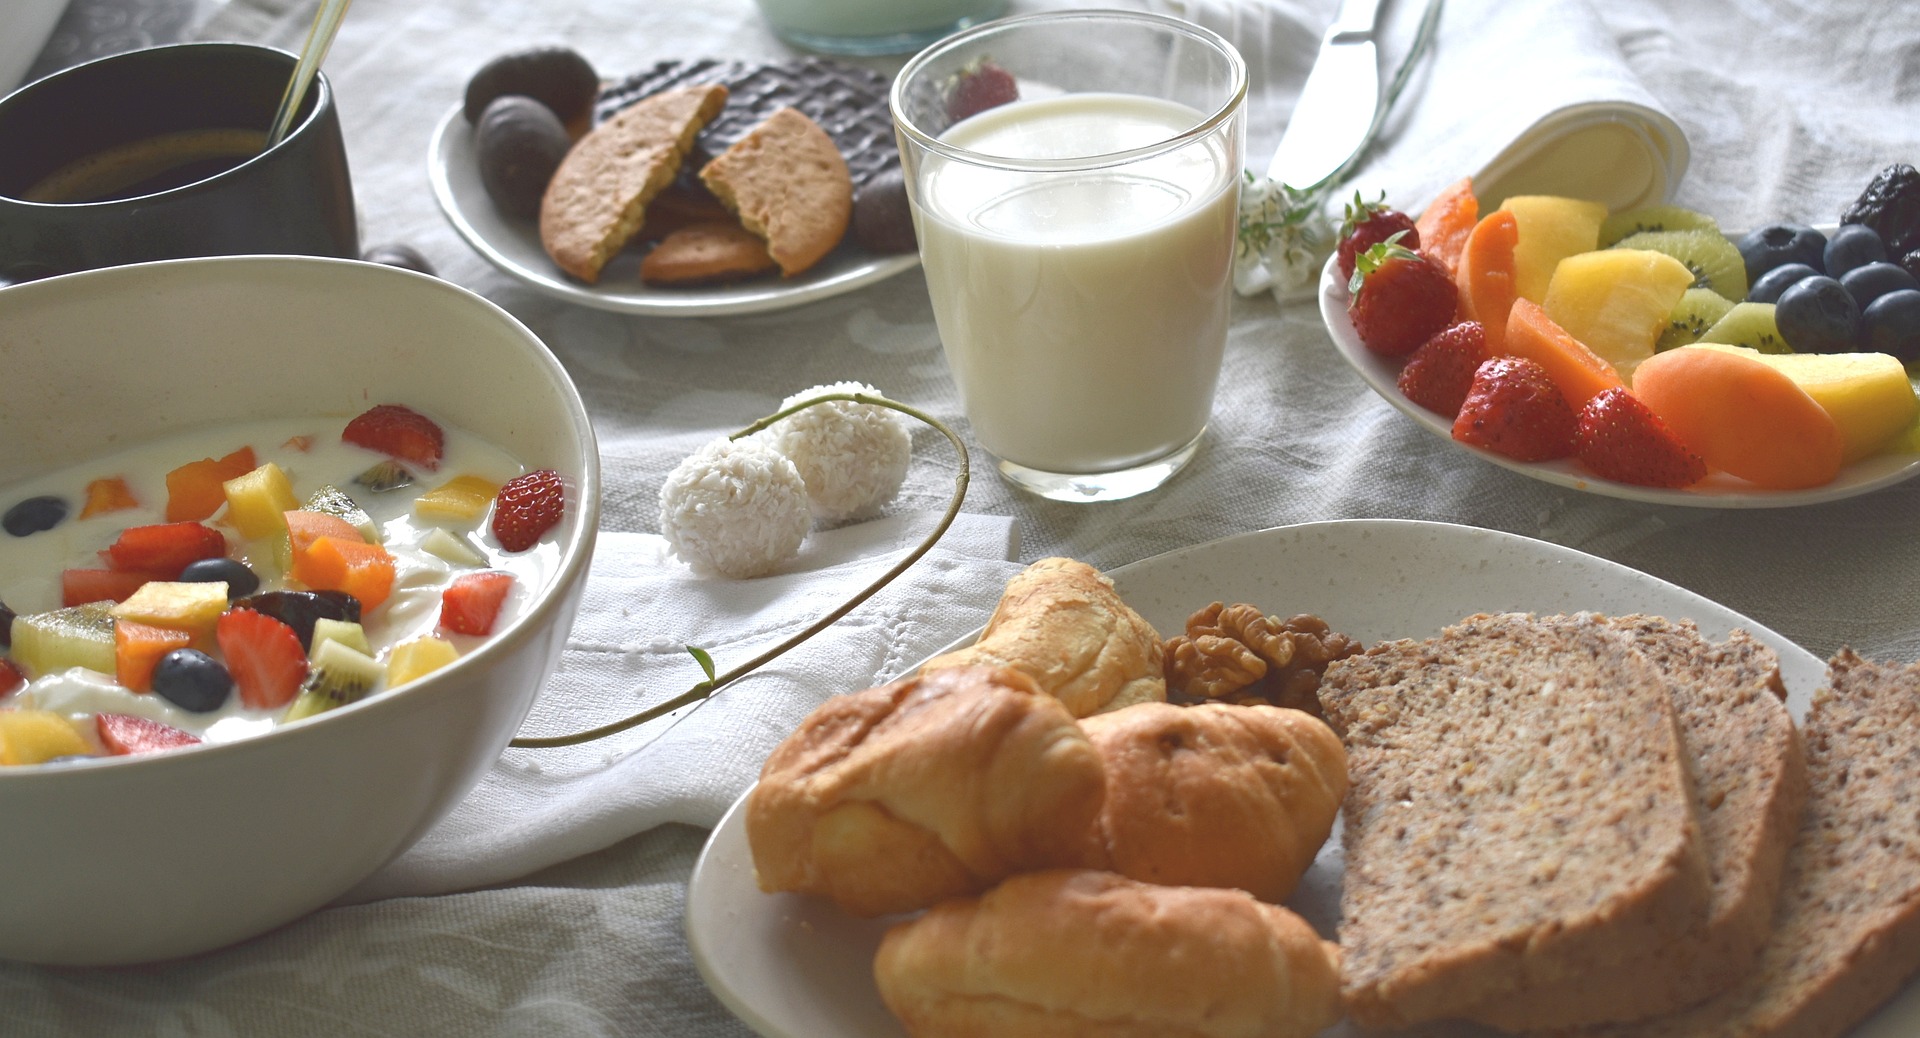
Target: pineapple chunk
(177, 605)
(450, 547)
(1867, 394)
(346, 632)
(256, 501)
(33, 736)
(1550, 229)
(1617, 301)
(462, 499)
(417, 658)
(77, 636)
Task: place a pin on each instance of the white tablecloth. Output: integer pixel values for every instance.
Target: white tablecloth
(1789, 109)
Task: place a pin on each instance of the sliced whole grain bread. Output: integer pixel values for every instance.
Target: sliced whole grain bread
(1748, 769)
(1847, 929)
(1519, 814)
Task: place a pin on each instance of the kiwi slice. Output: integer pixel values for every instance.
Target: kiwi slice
(1714, 260)
(1653, 218)
(331, 500)
(1748, 324)
(1698, 310)
(340, 674)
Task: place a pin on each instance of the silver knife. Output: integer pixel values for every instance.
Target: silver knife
(1339, 104)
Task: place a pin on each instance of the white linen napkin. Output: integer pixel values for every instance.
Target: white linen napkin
(642, 607)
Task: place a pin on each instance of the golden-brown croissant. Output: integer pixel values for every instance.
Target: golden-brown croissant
(1086, 954)
(937, 786)
(1215, 795)
(1061, 622)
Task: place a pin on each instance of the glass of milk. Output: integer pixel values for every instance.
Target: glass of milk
(873, 26)
(1078, 239)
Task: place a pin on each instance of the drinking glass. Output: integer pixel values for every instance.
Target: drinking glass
(1074, 179)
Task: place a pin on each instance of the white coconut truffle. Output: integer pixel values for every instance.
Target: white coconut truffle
(853, 456)
(734, 507)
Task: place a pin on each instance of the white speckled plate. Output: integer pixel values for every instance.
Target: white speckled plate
(795, 967)
(513, 245)
(1718, 490)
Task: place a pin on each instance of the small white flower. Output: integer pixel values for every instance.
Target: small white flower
(1285, 238)
(734, 507)
(853, 457)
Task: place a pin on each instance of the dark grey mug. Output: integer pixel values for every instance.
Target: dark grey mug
(156, 154)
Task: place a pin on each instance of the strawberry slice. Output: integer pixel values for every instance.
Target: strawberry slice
(164, 548)
(11, 680)
(263, 655)
(1400, 299)
(1368, 224)
(979, 87)
(80, 586)
(400, 432)
(1621, 439)
(125, 733)
(1515, 409)
(1439, 374)
(527, 507)
(471, 603)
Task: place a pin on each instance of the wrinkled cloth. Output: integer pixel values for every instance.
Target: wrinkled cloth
(1787, 110)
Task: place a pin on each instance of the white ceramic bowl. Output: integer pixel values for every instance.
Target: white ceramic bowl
(134, 859)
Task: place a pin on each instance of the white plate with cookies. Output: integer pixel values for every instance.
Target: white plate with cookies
(513, 245)
(795, 966)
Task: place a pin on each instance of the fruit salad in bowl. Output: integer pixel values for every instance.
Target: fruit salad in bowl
(1645, 354)
(280, 597)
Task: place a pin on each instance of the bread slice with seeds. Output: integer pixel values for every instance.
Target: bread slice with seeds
(1519, 814)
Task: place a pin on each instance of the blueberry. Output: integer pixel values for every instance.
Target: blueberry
(240, 580)
(299, 609)
(1816, 315)
(1892, 325)
(192, 680)
(1779, 244)
(1853, 245)
(1767, 287)
(1868, 283)
(1911, 263)
(34, 515)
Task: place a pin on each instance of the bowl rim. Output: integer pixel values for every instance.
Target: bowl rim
(576, 550)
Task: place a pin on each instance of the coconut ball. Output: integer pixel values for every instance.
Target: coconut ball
(852, 456)
(734, 507)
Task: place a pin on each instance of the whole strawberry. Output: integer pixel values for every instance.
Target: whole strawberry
(1399, 299)
(1515, 409)
(979, 87)
(1621, 439)
(1440, 372)
(1368, 224)
(527, 507)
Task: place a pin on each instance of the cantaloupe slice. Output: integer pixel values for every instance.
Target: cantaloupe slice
(1484, 277)
(1445, 223)
(1742, 416)
(1616, 301)
(1867, 394)
(1551, 229)
(1580, 373)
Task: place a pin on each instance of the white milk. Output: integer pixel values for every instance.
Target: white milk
(1084, 314)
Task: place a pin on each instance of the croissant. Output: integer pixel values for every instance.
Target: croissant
(1215, 795)
(1084, 954)
(936, 786)
(1061, 622)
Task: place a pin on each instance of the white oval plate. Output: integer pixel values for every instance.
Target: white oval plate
(513, 245)
(1718, 490)
(796, 967)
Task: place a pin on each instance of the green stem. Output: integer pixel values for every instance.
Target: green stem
(712, 685)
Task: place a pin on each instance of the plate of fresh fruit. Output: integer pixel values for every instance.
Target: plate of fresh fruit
(1647, 354)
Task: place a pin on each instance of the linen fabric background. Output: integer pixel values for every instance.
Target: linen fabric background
(1788, 109)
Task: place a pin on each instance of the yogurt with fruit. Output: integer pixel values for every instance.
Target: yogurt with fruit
(211, 586)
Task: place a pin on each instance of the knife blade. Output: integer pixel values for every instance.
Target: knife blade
(1338, 104)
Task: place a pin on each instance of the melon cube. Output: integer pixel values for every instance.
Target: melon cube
(33, 736)
(418, 658)
(1867, 394)
(178, 606)
(460, 500)
(257, 501)
(1550, 229)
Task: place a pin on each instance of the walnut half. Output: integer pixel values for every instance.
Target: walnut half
(1238, 654)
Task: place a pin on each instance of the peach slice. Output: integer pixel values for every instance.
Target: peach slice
(1580, 373)
(1743, 417)
(1446, 222)
(1485, 276)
